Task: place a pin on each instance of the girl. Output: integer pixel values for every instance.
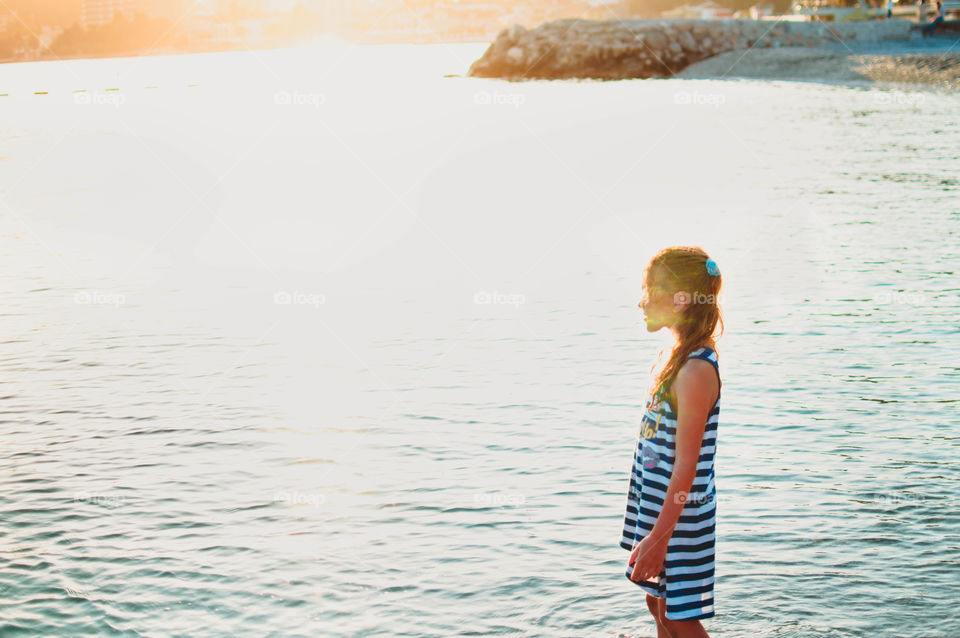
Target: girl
(671, 502)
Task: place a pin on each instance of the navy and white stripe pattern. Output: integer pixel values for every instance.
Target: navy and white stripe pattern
(686, 579)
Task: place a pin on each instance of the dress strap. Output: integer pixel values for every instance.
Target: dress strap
(707, 354)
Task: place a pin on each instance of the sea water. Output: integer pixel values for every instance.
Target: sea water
(338, 341)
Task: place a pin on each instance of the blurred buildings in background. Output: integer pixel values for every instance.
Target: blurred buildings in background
(44, 29)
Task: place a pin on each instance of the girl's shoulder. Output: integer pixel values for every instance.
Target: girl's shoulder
(708, 354)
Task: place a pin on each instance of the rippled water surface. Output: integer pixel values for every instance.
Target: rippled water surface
(322, 342)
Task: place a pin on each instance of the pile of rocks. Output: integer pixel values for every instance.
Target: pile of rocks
(618, 49)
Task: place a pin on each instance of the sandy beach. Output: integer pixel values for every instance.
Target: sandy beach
(933, 62)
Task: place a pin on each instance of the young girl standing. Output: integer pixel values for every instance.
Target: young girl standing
(670, 517)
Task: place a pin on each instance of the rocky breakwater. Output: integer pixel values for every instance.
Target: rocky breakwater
(619, 49)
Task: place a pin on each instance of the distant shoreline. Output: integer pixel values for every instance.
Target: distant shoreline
(201, 51)
(932, 62)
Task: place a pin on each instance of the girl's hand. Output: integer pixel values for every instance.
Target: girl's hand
(647, 558)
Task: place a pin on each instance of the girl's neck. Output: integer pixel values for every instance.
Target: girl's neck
(710, 343)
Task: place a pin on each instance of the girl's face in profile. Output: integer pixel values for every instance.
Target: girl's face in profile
(659, 304)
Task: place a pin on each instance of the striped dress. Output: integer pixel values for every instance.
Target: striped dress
(686, 578)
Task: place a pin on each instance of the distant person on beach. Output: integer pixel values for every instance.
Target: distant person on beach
(929, 29)
(670, 517)
(921, 11)
(889, 9)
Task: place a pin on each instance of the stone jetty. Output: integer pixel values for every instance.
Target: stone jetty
(620, 49)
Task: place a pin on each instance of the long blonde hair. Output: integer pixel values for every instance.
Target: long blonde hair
(684, 270)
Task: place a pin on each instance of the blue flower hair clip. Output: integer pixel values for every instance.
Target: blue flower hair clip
(712, 267)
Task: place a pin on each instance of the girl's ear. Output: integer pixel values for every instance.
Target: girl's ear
(680, 301)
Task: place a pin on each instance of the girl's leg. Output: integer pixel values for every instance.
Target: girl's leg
(657, 607)
(684, 628)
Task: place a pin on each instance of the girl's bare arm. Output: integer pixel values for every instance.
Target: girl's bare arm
(696, 389)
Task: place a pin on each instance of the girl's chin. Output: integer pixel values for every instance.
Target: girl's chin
(651, 326)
